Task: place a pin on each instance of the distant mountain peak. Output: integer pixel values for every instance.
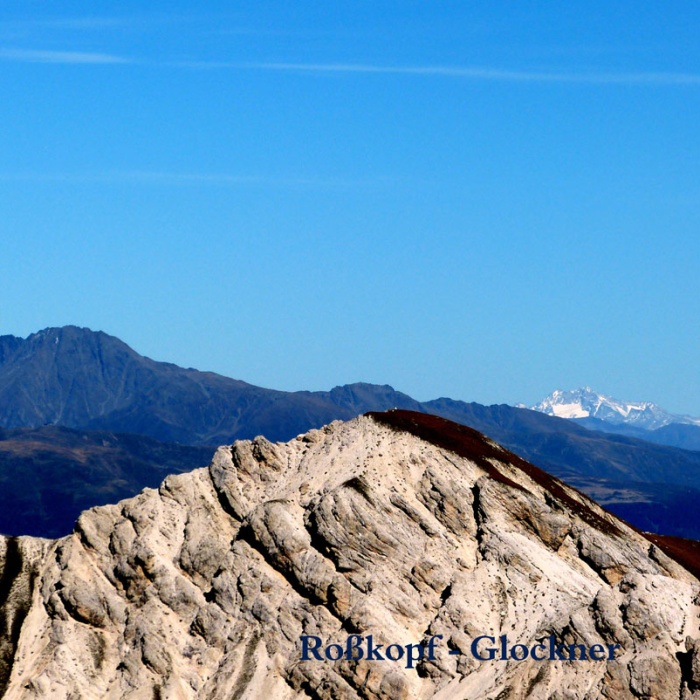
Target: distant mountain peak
(586, 403)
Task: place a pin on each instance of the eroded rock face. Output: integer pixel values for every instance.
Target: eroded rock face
(203, 588)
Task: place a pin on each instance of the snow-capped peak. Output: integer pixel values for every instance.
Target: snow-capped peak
(585, 403)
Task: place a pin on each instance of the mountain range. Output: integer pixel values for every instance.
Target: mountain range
(586, 403)
(90, 380)
(642, 419)
(87, 421)
(459, 570)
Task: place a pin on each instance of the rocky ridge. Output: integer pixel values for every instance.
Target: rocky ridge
(399, 525)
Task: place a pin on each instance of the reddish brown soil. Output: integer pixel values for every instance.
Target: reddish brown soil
(685, 552)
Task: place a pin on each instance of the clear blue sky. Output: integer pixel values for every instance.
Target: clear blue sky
(480, 200)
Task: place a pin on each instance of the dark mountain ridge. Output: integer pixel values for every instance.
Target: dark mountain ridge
(49, 475)
(91, 381)
(681, 435)
(83, 379)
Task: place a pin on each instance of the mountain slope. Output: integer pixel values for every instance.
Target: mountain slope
(398, 525)
(78, 378)
(655, 486)
(93, 382)
(49, 475)
(569, 451)
(643, 420)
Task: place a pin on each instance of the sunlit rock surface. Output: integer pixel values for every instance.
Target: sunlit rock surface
(398, 525)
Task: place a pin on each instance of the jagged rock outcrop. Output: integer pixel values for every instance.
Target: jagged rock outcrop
(398, 525)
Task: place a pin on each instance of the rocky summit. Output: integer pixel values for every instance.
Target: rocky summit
(462, 571)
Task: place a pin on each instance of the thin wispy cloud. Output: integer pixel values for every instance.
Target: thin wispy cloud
(129, 176)
(162, 177)
(475, 73)
(89, 23)
(70, 23)
(467, 72)
(60, 57)
(229, 180)
(191, 179)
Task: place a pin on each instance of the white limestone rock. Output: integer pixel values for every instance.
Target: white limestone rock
(384, 525)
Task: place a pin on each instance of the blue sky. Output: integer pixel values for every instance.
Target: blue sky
(478, 200)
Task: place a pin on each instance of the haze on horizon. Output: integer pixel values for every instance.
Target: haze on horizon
(481, 202)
